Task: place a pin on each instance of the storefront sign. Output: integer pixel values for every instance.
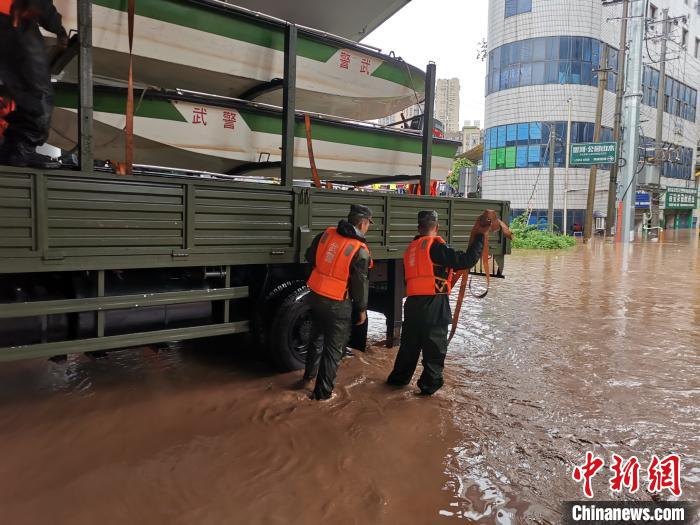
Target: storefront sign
(681, 198)
(593, 153)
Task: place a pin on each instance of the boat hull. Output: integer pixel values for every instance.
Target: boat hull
(222, 50)
(224, 136)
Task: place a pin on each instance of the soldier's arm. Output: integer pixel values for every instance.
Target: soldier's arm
(47, 16)
(310, 255)
(358, 284)
(443, 255)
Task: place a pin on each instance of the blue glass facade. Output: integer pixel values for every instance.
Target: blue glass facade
(525, 145)
(547, 60)
(680, 162)
(681, 100)
(516, 7)
(572, 60)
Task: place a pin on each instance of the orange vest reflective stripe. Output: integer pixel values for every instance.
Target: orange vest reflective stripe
(5, 7)
(419, 269)
(334, 254)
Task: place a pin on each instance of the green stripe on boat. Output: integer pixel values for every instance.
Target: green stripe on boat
(360, 136)
(363, 136)
(116, 103)
(401, 76)
(211, 20)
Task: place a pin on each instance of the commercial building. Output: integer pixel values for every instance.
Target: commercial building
(447, 103)
(545, 53)
(472, 134)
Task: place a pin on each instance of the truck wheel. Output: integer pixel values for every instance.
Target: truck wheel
(266, 312)
(290, 331)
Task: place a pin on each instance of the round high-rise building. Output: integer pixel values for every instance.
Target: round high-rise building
(545, 59)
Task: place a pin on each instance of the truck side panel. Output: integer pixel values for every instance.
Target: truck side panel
(72, 221)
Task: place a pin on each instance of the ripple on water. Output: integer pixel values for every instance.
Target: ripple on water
(567, 357)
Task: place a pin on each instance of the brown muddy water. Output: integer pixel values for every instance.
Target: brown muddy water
(593, 349)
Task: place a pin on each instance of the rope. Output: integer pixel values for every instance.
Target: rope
(128, 168)
(310, 148)
(486, 223)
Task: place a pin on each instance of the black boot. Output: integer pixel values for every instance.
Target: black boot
(23, 156)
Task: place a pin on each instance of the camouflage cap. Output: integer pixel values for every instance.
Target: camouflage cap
(361, 212)
(427, 216)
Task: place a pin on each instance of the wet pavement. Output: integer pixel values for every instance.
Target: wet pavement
(593, 349)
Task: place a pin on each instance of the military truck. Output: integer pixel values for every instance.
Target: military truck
(93, 261)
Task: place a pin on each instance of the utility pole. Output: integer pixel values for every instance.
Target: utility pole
(566, 169)
(617, 125)
(631, 117)
(550, 206)
(660, 106)
(85, 107)
(593, 176)
(289, 86)
(428, 112)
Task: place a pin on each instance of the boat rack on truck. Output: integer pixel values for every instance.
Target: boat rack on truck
(94, 261)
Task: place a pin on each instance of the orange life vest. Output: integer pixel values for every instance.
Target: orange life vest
(334, 254)
(5, 7)
(419, 269)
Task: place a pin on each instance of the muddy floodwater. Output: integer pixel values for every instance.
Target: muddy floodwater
(594, 349)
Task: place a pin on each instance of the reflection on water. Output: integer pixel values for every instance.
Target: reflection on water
(596, 349)
(592, 349)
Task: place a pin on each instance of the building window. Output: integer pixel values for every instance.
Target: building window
(652, 11)
(525, 145)
(516, 7)
(532, 149)
(574, 60)
(684, 40)
(697, 45)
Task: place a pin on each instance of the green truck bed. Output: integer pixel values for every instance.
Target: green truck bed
(66, 221)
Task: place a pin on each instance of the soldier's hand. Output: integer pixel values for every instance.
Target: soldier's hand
(62, 40)
(362, 318)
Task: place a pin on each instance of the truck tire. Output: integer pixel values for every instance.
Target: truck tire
(290, 331)
(266, 312)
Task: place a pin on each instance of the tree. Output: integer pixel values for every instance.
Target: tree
(482, 51)
(453, 177)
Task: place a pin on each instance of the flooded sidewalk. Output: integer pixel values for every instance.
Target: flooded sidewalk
(593, 349)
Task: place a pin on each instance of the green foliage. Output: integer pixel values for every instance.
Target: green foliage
(453, 177)
(529, 236)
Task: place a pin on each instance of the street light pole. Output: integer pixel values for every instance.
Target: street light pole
(631, 118)
(660, 108)
(566, 168)
(550, 206)
(617, 125)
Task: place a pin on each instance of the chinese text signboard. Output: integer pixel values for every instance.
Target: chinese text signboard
(643, 200)
(593, 153)
(681, 198)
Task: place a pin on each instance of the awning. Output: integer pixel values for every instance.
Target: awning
(475, 154)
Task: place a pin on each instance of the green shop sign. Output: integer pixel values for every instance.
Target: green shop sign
(681, 198)
(593, 153)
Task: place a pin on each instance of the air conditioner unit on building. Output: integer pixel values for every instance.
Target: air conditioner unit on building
(649, 176)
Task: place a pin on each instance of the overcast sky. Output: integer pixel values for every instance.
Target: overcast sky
(446, 32)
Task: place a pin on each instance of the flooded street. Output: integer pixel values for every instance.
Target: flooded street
(593, 349)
